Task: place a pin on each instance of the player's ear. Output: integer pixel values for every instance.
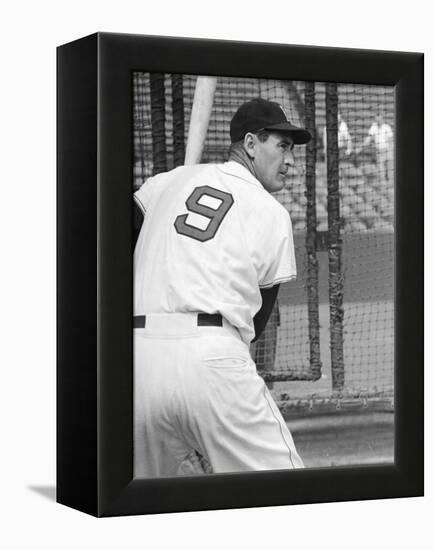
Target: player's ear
(250, 144)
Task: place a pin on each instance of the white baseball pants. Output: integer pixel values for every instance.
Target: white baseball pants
(196, 387)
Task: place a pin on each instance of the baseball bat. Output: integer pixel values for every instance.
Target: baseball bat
(200, 115)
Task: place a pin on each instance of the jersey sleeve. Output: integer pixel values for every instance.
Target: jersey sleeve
(143, 196)
(278, 256)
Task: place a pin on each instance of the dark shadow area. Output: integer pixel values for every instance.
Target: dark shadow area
(45, 491)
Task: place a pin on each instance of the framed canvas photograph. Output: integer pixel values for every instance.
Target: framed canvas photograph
(240, 274)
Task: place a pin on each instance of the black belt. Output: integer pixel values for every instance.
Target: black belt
(203, 320)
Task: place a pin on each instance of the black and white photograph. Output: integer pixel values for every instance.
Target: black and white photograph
(213, 221)
(264, 238)
(236, 324)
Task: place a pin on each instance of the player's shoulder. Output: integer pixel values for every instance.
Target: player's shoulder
(190, 169)
(237, 176)
(151, 187)
(192, 172)
(278, 215)
(177, 172)
(272, 206)
(256, 201)
(158, 181)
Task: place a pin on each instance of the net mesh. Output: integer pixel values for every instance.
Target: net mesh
(365, 144)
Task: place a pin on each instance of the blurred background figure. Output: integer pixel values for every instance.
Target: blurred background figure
(345, 144)
(380, 134)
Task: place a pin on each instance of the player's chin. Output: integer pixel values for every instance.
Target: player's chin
(279, 182)
(275, 184)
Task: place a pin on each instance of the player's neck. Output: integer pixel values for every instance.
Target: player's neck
(242, 158)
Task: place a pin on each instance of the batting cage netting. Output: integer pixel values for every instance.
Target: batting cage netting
(330, 339)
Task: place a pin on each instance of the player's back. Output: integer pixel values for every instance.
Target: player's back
(204, 243)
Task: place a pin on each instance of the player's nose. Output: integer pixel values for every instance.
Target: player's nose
(289, 158)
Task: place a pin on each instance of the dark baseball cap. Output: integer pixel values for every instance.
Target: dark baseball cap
(260, 114)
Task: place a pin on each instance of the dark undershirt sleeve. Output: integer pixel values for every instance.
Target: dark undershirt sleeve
(137, 222)
(269, 296)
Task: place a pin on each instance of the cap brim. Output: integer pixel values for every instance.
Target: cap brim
(299, 135)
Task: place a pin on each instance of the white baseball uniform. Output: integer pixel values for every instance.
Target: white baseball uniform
(211, 238)
(382, 134)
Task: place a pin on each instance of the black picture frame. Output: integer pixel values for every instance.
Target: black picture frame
(94, 274)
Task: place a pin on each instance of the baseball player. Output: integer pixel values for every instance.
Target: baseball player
(212, 251)
(381, 134)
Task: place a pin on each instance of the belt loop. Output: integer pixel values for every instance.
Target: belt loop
(139, 321)
(209, 320)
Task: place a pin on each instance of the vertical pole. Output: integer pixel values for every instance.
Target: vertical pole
(158, 116)
(334, 240)
(139, 80)
(178, 120)
(311, 223)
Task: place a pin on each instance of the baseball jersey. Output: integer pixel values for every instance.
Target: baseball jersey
(212, 237)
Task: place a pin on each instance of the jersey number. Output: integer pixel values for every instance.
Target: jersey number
(215, 215)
